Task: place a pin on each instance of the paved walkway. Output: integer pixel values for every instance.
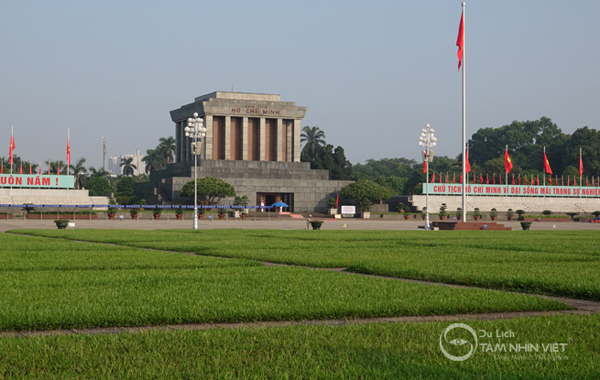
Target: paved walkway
(275, 222)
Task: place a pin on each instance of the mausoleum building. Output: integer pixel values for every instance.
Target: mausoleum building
(252, 142)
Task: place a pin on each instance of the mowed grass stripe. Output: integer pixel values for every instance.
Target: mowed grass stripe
(28, 253)
(390, 351)
(78, 299)
(561, 263)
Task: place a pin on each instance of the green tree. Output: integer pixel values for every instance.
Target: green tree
(80, 172)
(525, 140)
(98, 186)
(588, 140)
(128, 166)
(365, 192)
(55, 166)
(155, 160)
(167, 147)
(314, 139)
(333, 160)
(211, 190)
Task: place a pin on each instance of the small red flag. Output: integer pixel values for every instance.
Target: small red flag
(337, 198)
(453, 177)
(460, 40)
(568, 180)
(507, 162)
(480, 178)
(433, 177)
(446, 177)
(580, 164)
(525, 179)
(562, 180)
(2, 168)
(461, 178)
(587, 183)
(519, 179)
(440, 177)
(467, 165)
(513, 182)
(547, 164)
(48, 168)
(21, 168)
(425, 163)
(30, 170)
(57, 168)
(538, 180)
(574, 181)
(494, 178)
(69, 153)
(550, 180)
(487, 179)
(11, 148)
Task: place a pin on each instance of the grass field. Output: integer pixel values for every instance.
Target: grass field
(51, 281)
(50, 284)
(561, 263)
(380, 351)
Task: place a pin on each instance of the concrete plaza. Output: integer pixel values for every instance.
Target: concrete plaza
(275, 222)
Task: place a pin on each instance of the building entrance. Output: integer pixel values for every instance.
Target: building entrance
(267, 199)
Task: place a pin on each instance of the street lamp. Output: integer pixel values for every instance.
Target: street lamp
(195, 129)
(428, 140)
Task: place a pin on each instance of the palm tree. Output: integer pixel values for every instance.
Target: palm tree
(98, 173)
(155, 160)
(314, 138)
(55, 166)
(167, 147)
(128, 166)
(80, 173)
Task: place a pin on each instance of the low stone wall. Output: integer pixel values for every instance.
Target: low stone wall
(529, 204)
(64, 215)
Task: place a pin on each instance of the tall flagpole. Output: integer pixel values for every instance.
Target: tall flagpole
(506, 150)
(464, 119)
(12, 148)
(544, 167)
(68, 148)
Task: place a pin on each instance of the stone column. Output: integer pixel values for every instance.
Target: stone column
(208, 123)
(296, 139)
(227, 137)
(178, 141)
(262, 138)
(245, 138)
(279, 140)
(289, 138)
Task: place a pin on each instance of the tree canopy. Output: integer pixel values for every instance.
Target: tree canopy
(211, 190)
(365, 192)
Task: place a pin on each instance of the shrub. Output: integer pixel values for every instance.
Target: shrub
(365, 192)
(443, 209)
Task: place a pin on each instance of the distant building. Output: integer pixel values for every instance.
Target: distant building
(114, 163)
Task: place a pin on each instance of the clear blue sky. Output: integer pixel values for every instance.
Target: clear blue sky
(372, 74)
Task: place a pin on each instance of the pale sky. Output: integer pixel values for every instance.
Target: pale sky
(372, 74)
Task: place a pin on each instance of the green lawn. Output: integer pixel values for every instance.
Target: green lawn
(50, 283)
(562, 263)
(390, 351)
